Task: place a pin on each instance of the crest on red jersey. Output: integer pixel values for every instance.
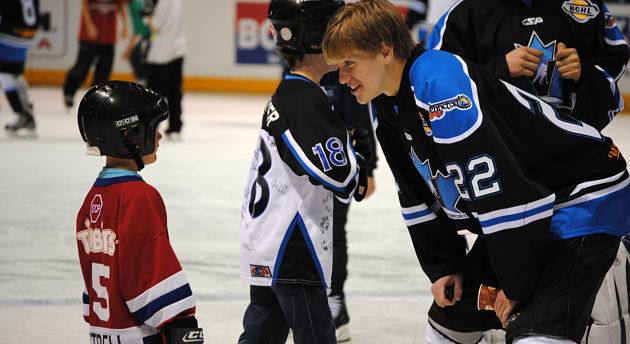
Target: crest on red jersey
(95, 208)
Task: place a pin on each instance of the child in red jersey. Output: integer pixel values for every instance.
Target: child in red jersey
(136, 291)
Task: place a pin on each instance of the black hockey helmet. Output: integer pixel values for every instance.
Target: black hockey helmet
(299, 25)
(119, 119)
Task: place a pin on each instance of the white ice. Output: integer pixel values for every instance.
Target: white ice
(43, 182)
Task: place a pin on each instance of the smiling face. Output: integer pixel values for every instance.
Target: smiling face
(364, 73)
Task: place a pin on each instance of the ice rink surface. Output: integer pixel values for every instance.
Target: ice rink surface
(201, 178)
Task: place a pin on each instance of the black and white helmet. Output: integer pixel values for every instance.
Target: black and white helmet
(299, 25)
(119, 119)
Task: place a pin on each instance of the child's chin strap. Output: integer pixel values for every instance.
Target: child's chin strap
(136, 157)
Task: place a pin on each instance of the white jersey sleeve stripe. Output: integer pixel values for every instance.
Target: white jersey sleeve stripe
(516, 216)
(417, 214)
(615, 92)
(162, 288)
(170, 311)
(315, 172)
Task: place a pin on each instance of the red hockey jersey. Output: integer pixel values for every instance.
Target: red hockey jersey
(134, 282)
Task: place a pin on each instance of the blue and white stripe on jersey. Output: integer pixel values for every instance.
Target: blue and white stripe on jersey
(613, 35)
(442, 86)
(615, 91)
(516, 216)
(13, 49)
(437, 34)
(86, 305)
(595, 212)
(163, 301)
(298, 222)
(373, 116)
(417, 214)
(317, 173)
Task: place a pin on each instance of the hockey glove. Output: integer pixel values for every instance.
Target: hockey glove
(362, 185)
(360, 139)
(182, 331)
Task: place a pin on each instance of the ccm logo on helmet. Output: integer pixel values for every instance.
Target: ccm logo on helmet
(127, 120)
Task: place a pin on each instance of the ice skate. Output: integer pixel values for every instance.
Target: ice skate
(337, 306)
(24, 124)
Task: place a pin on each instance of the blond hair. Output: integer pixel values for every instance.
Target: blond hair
(364, 26)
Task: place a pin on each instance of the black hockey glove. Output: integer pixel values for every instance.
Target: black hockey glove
(182, 331)
(360, 139)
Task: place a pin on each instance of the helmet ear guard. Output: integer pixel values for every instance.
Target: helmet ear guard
(299, 25)
(119, 119)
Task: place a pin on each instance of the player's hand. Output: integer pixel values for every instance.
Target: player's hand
(503, 307)
(568, 62)
(447, 285)
(523, 61)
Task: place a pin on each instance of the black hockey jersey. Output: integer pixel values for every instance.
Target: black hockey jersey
(18, 25)
(303, 159)
(498, 161)
(484, 31)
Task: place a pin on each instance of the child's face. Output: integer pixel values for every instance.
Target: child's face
(151, 158)
(364, 73)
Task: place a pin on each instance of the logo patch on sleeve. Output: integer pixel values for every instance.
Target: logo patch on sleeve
(260, 270)
(439, 109)
(580, 10)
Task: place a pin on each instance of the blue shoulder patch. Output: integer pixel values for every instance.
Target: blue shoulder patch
(441, 86)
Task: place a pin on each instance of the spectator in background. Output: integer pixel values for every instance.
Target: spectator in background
(166, 59)
(18, 25)
(97, 37)
(138, 46)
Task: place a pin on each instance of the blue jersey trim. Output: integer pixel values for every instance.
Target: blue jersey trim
(600, 215)
(417, 214)
(311, 249)
(13, 53)
(518, 216)
(308, 169)
(102, 182)
(163, 301)
(283, 247)
(296, 77)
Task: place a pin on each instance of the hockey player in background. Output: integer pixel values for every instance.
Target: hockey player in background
(548, 194)
(18, 25)
(570, 59)
(136, 291)
(304, 158)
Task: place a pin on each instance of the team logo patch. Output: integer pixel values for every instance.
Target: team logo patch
(425, 125)
(580, 10)
(95, 208)
(260, 270)
(438, 110)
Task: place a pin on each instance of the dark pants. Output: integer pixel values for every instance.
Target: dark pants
(88, 53)
(565, 294)
(166, 79)
(340, 248)
(273, 310)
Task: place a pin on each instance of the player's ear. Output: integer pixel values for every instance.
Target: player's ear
(387, 52)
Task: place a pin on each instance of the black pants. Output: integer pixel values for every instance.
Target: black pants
(166, 79)
(340, 248)
(103, 54)
(273, 310)
(565, 295)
